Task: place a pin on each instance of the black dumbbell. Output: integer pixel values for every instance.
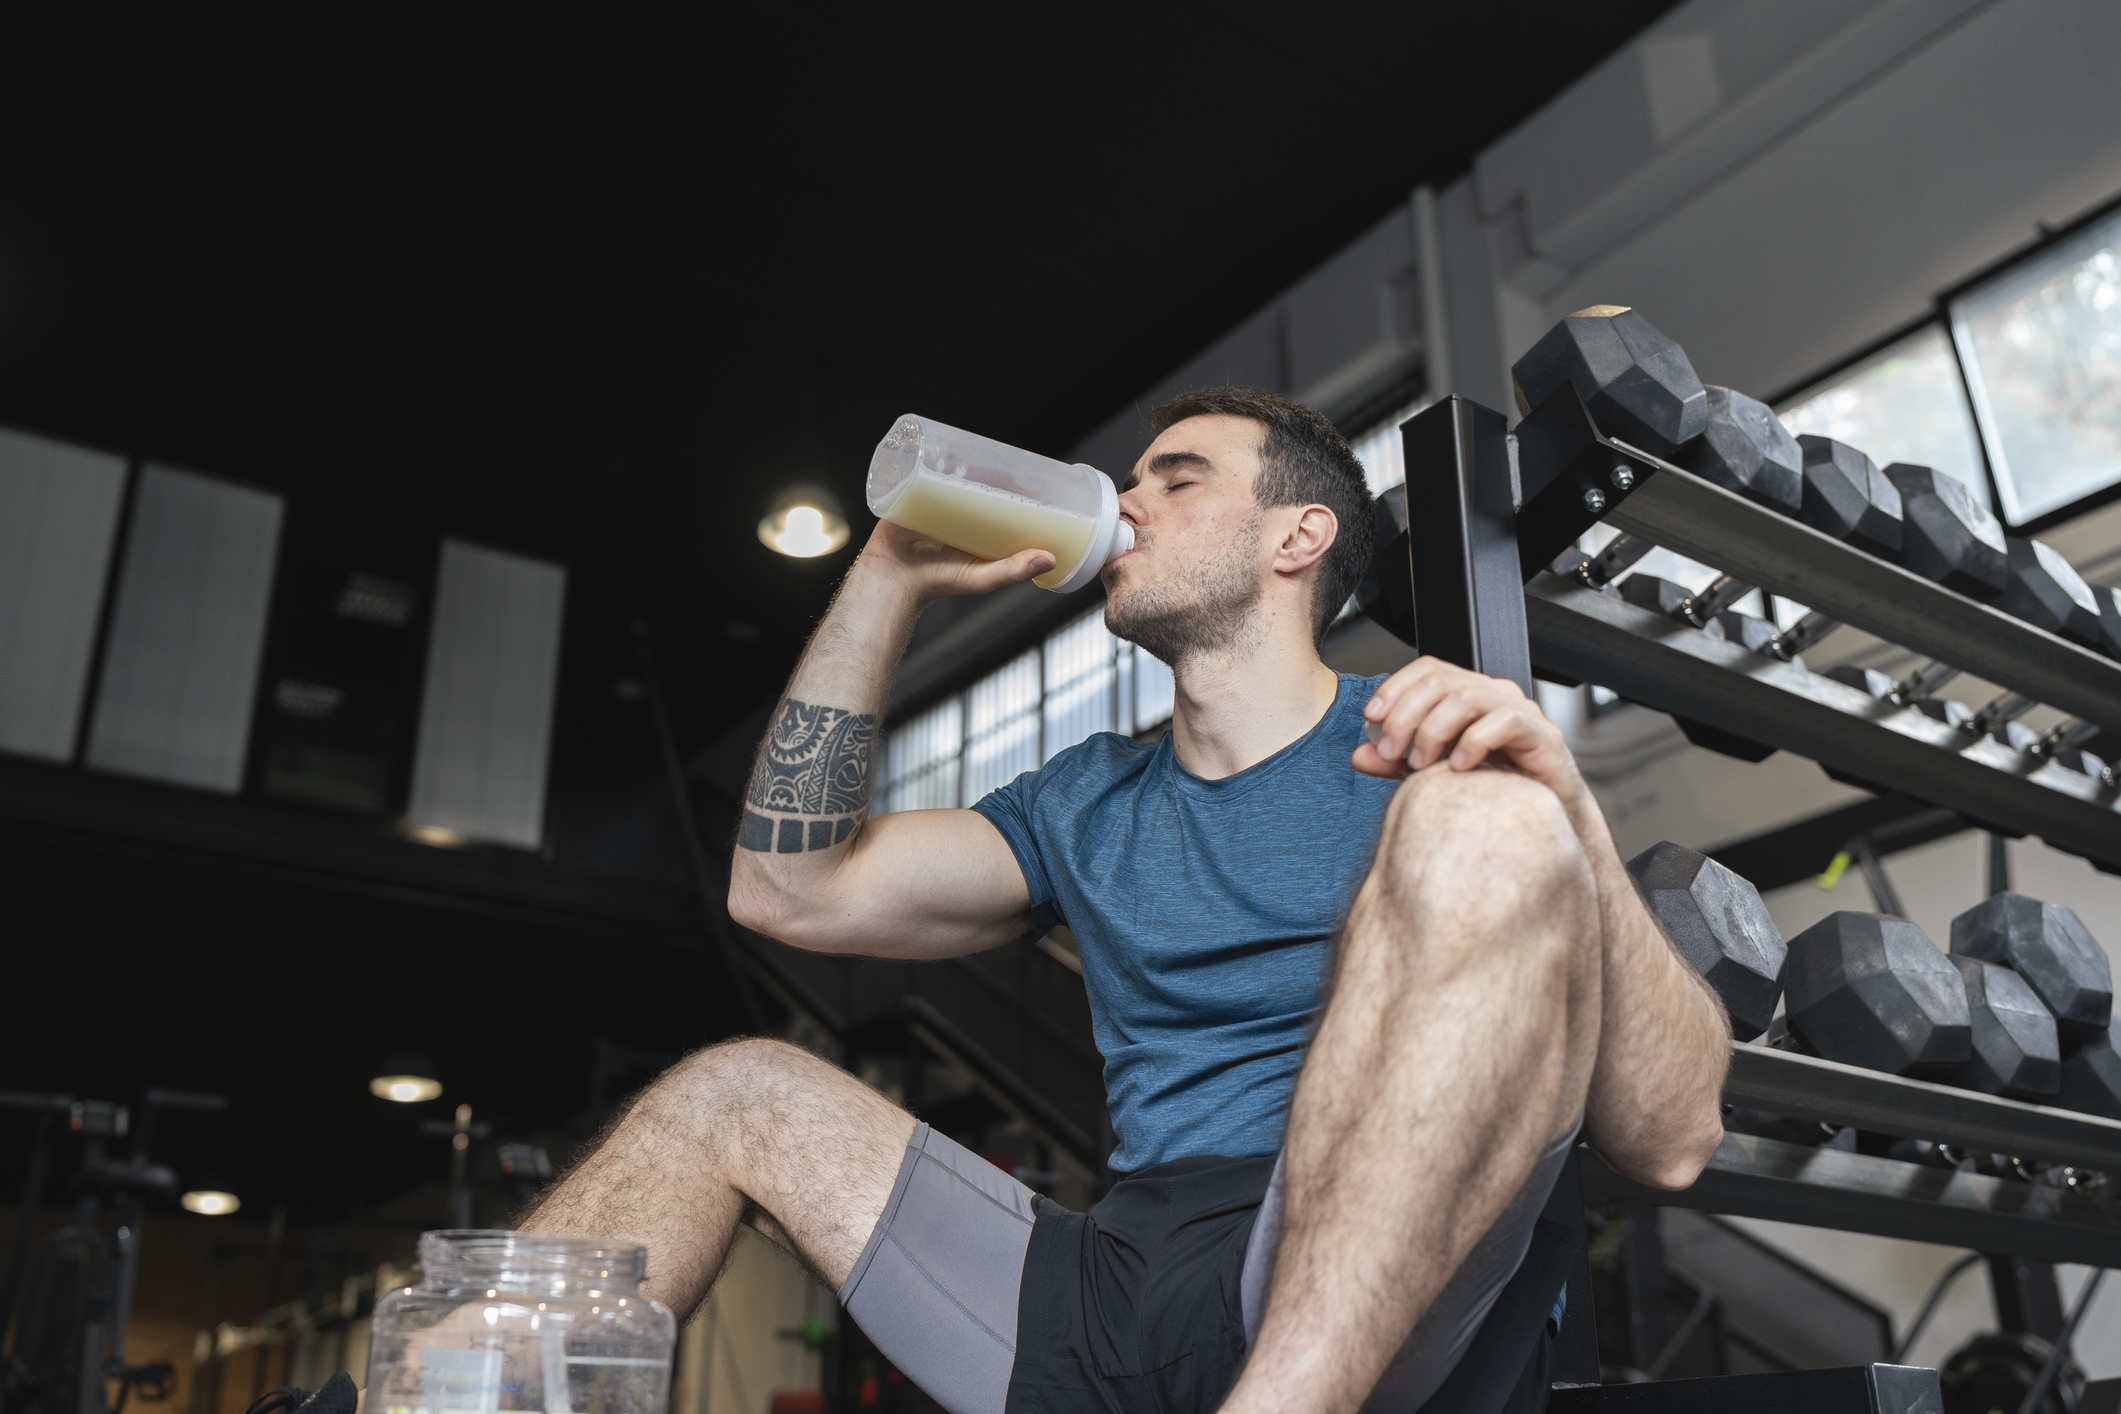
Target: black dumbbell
(1745, 448)
(2015, 1049)
(1871, 990)
(1848, 497)
(2108, 598)
(1946, 534)
(2048, 946)
(2068, 744)
(2061, 964)
(2091, 1077)
(2041, 588)
(1675, 601)
(1637, 384)
(1720, 926)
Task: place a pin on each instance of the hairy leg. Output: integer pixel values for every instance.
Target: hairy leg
(1458, 1042)
(752, 1131)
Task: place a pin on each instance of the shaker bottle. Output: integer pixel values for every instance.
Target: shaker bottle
(992, 500)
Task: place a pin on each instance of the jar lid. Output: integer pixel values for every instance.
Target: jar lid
(501, 1256)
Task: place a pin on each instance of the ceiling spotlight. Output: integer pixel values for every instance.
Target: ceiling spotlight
(407, 1079)
(210, 1202)
(405, 1089)
(804, 523)
(440, 836)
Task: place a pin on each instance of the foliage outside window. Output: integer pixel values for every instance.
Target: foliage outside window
(2041, 344)
(1904, 403)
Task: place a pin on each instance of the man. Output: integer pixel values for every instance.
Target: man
(1324, 1187)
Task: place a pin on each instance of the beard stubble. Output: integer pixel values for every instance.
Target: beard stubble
(1203, 612)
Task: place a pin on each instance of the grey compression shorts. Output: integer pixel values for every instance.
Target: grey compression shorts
(937, 1288)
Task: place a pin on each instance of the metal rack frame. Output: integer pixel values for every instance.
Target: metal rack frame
(1472, 538)
(1673, 667)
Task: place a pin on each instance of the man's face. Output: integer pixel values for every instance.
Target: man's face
(1200, 559)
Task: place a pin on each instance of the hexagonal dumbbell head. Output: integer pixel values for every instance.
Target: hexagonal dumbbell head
(1865, 989)
(1636, 382)
(2048, 946)
(1868, 681)
(2016, 1052)
(2046, 592)
(2108, 599)
(1753, 635)
(2091, 1077)
(1846, 496)
(1721, 927)
(1745, 448)
(1948, 710)
(1947, 535)
(1659, 596)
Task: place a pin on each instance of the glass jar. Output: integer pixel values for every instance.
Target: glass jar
(521, 1321)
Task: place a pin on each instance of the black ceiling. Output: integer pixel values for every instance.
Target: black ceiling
(596, 287)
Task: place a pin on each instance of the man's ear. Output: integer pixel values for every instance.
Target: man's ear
(1307, 540)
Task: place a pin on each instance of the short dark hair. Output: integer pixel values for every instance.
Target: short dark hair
(1303, 459)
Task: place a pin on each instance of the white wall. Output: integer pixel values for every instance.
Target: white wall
(1853, 160)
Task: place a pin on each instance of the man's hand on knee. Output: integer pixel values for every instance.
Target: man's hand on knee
(1431, 711)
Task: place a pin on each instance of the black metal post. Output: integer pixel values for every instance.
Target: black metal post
(2028, 1297)
(1462, 540)
(40, 1156)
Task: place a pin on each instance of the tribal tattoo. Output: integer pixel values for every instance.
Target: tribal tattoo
(813, 774)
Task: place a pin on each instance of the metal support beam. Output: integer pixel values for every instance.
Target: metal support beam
(1751, 1177)
(1806, 1087)
(1682, 512)
(1853, 1389)
(1580, 632)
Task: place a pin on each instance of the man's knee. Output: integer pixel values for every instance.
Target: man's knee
(1484, 841)
(1441, 814)
(745, 1074)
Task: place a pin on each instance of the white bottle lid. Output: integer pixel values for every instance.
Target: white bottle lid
(1114, 537)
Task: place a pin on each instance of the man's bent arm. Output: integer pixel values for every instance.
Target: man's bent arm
(1655, 1104)
(810, 868)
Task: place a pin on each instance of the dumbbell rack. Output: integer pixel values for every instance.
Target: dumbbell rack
(1472, 531)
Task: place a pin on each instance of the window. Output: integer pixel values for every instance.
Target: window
(1904, 403)
(1077, 683)
(2041, 345)
(1082, 677)
(921, 760)
(1002, 726)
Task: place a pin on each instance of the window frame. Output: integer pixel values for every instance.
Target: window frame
(1939, 316)
(1126, 676)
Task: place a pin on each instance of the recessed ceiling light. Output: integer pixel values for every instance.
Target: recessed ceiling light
(805, 523)
(440, 836)
(404, 1089)
(210, 1202)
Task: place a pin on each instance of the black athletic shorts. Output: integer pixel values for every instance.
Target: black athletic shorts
(998, 1301)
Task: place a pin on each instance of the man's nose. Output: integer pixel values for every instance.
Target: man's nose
(1134, 505)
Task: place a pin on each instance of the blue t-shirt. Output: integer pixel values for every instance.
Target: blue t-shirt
(1202, 910)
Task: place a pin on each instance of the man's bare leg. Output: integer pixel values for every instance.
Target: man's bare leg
(752, 1131)
(1458, 1043)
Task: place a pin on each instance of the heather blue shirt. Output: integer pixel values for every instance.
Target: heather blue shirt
(1201, 909)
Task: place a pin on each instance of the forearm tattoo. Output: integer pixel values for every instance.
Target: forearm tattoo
(811, 784)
